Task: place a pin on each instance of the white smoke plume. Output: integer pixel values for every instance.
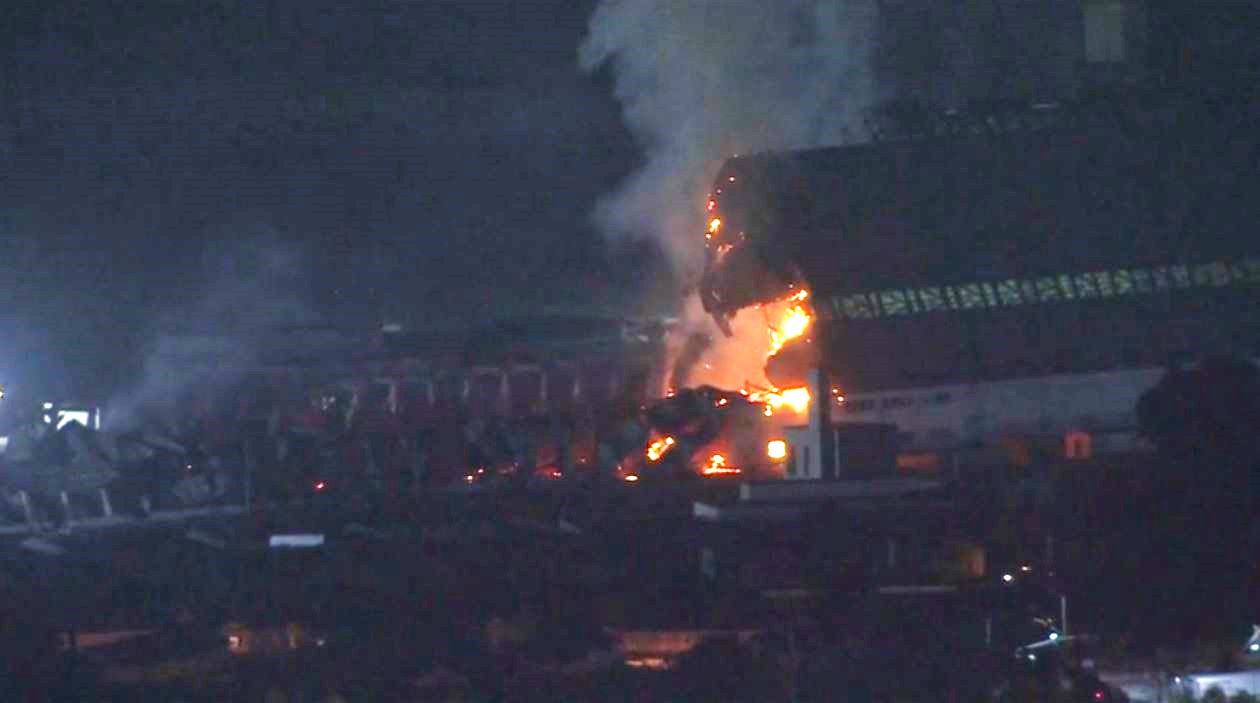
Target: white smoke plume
(250, 286)
(702, 80)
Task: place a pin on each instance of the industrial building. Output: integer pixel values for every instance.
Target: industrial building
(1015, 274)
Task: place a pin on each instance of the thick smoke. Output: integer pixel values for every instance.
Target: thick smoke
(701, 80)
(250, 286)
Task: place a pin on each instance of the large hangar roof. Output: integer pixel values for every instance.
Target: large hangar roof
(993, 207)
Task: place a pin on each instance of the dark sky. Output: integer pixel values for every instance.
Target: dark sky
(440, 153)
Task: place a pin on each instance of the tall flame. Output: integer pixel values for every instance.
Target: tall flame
(794, 323)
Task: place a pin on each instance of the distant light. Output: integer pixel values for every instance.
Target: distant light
(714, 225)
(712, 205)
(1008, 578)
(1032, 657)
(1176, 679)
(48, 406)
(731, 179)
(320, 485)
(631, 478)
(1099, 695)
(1054, 636)
(777, 449)
(234, 642)
(469, 478)
(1025, 568)
(298, 540)
(1255, 647)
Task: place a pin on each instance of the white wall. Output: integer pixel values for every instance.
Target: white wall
(948, 417)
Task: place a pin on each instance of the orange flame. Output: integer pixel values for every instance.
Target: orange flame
(794, 323)
(796, 399)
(659, 448)
(717, 467)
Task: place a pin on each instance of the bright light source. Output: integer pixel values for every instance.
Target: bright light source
(48, 406)
(1255, 647)
(1008, 578)
(631, 478)
(1054, 636)
(320, 485)
(1032, 657)
(777, 449)
(65, 417)
(1025, 568)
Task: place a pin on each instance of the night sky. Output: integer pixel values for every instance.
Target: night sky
(413, 156)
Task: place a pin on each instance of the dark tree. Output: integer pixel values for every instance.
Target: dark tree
(1210, 412)
(1191, 542)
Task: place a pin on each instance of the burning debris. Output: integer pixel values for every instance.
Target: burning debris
(658, 448)
(702, 432)
(717, 466)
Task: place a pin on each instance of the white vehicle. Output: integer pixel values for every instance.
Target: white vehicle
(1231, 684)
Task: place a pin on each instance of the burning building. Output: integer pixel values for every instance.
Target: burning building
(1017, 269)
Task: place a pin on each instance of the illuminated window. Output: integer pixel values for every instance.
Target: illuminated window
(1102, 279)
(1043, 290)
(836, 304)
(969, 296)
(1215, 274)
(913, 301)
(893, 302)
(1048, 290)
(933, 299)
(1008, 293)
(1086, 285)
(1142, 281)
(1065, 285)
(1180, 276)
(1122, 281)
(858, 307)
(1078, 445)
(990, 298)
(1028, 289)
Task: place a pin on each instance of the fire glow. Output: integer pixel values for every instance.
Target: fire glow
(659, 448)
(794, 323)
(717, 466)
(797, 399)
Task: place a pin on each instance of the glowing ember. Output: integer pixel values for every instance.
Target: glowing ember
(717, 467)
(659, 448)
